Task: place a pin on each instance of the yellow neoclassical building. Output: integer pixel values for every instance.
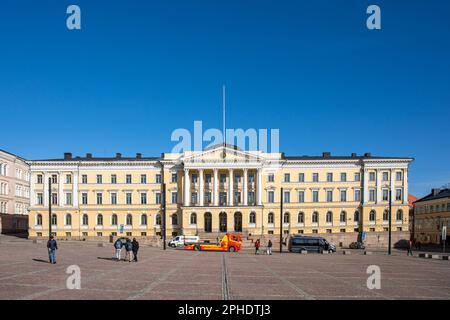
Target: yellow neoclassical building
(217, 190)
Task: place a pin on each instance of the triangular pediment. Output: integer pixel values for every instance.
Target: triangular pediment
(223, 154)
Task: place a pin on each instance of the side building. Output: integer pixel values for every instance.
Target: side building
(14, 193)
(431, 213)
(222, 189)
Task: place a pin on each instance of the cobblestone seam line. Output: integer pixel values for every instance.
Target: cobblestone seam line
(225, 285)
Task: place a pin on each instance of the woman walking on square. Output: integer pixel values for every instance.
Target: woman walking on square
(257, 244)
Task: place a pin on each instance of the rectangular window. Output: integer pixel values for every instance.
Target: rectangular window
(251, 178)
(385, 194)
(270, 197)
(113, 198)
(143, 198)
(208, 197)
(194, 178)
(84, 179)
(343, 195)
(237, 178)
(329, 177)
(398, 194)
(68, 198)
(174, 197)
(39, 178)
(223, 198)
(208, 178)
(287, 177)
(54, 198)
(113, 179)
(99, 178)
(301, 196)
(343, 177)
(128, 178)
(99, 198)
(194, 198)
(357, 195)
(68, 179)
(237, 197)
(40, 198)
(385, 176)
(372, 195)
(143, 178)
(174, 177)
(54, 178)
(398, 176)
(270, 177)
(84, 198)
(128, 198)
(315, 177)
(315, 196)
(287, 196)
(357, 176)
(329, 196)
(158, 197)
(223, 178)
(301, 177)
(371, 176)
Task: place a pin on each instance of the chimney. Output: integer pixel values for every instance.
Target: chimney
(67, 156)
(138, 155)
(353, 155)
(326, 154)
(367, 154)
(435, 191)
(89, 155)
(118, 155)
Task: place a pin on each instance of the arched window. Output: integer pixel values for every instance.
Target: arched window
(143, 220)
(129, 220)
(85, 220)
(100, 220)
(270, 218)
(329, 217)
(356, 216)
(54, 220)
(385, 215)
(315, 217)
(39, 220)
(252, 217)
(193, 218)
(158, 219)
(343, 216)
(114, 219)
(372, 215)
(286, 217)
(399, 215)
(174, 219)
(301, 217)
(68, 219)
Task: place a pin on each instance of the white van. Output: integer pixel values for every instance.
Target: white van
(180, 241)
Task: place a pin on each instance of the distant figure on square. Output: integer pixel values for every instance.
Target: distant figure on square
(410, 245)
(135, 248)
(118, 246)
(257, 245)
(269, 247)
(52, 246)
(128, 250)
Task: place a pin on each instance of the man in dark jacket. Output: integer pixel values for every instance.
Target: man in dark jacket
(118, 246)
(52, 246)
(135, 249)
(128, 249)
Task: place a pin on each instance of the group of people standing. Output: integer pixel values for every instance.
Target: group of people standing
(258, 245)
(130, 247)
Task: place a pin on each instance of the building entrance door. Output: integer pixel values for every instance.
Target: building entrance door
(223, 222)
(238, 222)
(208, 222)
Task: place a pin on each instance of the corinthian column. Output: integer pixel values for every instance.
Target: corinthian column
(216, 187)
(186, 187)
(259, 188)
(231, 197)
(200, 172)
(245, 187)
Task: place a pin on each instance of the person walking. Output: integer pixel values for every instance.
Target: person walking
(118, 246)
(269, 247)
(52, 246)
(410, 244)
(135, 247)
(128, 249)
(257, 244)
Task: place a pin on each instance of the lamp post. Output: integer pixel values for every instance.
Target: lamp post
(390, 221)
(281, 220)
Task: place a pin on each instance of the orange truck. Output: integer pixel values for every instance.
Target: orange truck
(229, 242)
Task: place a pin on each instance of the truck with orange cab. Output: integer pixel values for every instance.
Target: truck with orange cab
(229, 242)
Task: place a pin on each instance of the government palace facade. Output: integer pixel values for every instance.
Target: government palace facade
(217, 190)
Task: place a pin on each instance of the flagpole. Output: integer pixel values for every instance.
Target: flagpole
(224, 123)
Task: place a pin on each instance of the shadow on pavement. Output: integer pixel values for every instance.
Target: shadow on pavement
(40, 260)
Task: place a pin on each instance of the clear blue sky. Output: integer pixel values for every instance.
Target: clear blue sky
(140, 69)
